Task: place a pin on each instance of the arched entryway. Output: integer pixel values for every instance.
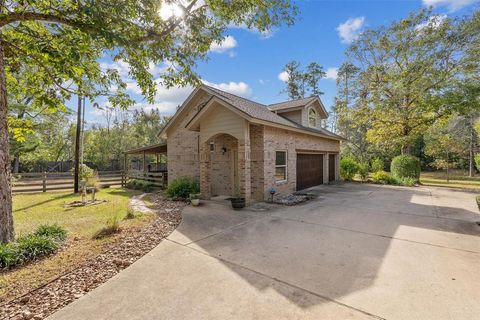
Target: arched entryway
(220, 157)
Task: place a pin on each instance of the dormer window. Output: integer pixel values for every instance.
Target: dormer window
(312, 118)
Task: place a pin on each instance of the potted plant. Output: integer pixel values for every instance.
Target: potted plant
(238, 202)
(195, 199)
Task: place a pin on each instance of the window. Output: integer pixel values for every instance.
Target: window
(312, 118)
(280, 166)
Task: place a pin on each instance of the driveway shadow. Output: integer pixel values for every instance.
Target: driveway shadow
(391, 251)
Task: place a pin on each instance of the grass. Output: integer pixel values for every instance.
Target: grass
(81, 223)
(458, 179)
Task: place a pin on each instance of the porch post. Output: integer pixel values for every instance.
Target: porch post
(205, 165)
(244, 170)
(144, 164)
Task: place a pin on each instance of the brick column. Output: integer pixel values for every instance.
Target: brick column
(337, 167)
(244, 170)
(325, 168)
(205, 166)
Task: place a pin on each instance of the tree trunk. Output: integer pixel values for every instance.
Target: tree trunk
(471, 168)
(6, 217)
(77, 146)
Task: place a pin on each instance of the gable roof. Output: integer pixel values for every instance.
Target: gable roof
(257, 111)
(290, 104)
(251, 108)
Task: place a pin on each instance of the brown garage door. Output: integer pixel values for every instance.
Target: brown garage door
(309, 170)
(331, 167)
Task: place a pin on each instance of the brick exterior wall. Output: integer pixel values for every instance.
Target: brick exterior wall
(257, 162)
(183, 144)
(279, 139)
(255, 158)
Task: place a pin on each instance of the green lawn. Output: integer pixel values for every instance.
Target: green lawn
(458, 179)
(32, 210)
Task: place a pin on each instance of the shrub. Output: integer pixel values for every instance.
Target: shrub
(407, 181)
(9, 256)
(53, 231)
(363, 170)
(348, 168)
(45, 240)
(383, 177)
(477, 161)
(182, 187)
(405, 166)
(136, 184)
(111, 227)
(31, 247)
(84, 172)
(377, 165)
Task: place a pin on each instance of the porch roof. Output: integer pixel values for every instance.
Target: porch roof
(152, 149)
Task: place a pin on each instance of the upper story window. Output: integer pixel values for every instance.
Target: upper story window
(312, 118)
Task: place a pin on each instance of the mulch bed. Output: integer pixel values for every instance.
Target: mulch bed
(45, 300)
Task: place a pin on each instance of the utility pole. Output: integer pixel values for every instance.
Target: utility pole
(77, 145)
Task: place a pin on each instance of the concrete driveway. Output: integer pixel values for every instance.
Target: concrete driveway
(358, 251)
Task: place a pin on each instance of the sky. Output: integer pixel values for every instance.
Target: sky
(250, 64)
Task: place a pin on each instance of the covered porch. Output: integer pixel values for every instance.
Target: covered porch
(147, 163)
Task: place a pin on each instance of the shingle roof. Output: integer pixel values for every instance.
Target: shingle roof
(262, 112)
(291, 104)
(251, 108)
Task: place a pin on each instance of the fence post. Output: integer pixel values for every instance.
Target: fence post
(44, 181)
(123, 178)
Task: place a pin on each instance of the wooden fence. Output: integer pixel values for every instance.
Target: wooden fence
(158, 179)
(53, 181)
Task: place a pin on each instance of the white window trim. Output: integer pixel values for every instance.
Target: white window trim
(282, 166)
(316, 117)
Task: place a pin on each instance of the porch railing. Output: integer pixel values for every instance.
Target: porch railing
(158, 179)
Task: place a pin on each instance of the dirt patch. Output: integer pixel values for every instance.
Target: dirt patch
(129, 247)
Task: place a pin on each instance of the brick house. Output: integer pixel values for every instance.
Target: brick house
(234, 145)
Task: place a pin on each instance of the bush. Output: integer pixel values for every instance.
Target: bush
(53, 231)
(9, 256)
(408, 181)
(84, 172)
(377, 165)
(32, 246)
(136, 184)
(182, 187)
(363, 170)
(130, 213)
(383, 177)
(405, 166)
(45, 240)
(348, 168)
(477, 161)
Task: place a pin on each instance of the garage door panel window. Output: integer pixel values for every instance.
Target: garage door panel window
(280, 166)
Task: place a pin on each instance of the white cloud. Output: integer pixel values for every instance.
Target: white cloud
(239, 88)
(433, 22)
(229, 42)
(168, 99)
(283, 76)
(331, 73)
(452, 5)
(262, 34)
(350, 29)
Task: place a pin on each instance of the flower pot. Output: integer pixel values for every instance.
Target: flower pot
(237, 203)
(195, 202)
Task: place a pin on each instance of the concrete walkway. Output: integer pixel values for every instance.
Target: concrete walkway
(356, 252)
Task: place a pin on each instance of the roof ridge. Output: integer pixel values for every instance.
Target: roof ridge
(240, 97)
(312, 97)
